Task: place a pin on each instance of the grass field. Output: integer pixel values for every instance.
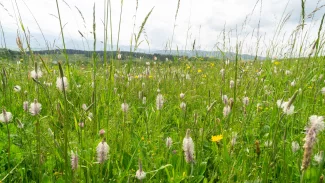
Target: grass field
(122, 118)
(255, 141)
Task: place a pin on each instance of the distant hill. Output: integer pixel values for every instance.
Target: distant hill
(160, 54)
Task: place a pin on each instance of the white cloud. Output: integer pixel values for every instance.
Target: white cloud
(203, 20)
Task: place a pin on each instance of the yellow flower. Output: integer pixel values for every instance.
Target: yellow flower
(212, 64)
(142, 138)
(150, 76)
(216, 138)
(276, 63)
(199, 70)
(136, 77)
(204, 75)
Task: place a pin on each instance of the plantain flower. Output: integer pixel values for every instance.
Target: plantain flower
(188, 147)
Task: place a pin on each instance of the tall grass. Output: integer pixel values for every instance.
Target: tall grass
(251, 143)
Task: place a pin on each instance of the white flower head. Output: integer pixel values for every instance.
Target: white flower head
(84, 107)
(169, 142)
(102, 151)
(17, 88)
(288, 110)
(25, 106)
(36, 74)
(159, 101)
(317, 122)
(232, 83)
(188, 147)
(74, 160)
(62, 85)
(5, 117)
(245, 100)
(144, 100)
(183, 106)
(35, 108)
(125, 107)
(224, 99)
(323, 90)
(182, 95)
(226, 111)
(295, 146)
(319, 157)
(119, 56)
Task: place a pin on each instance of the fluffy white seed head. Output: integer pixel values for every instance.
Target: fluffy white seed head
(169, 142)
(295, 146)
(125, 107)
(188, 147)
(62, 85)
(226, 111)
(5, 117)
(183, 106)
(102, 151)
(17, 88)
(159, 101)
(25, 106)
(35, 108)
(74, 160)
(36, 75)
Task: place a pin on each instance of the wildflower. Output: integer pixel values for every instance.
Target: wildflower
(36, 74)
(268, 143)
(188, 147)
(233, 138)
(81, 124)
(245, 100)
(295, 146)
(293, 83)
(285, 106)
(84, 107)
(199, 70)
(166, 59)
(25, 106)
(125, 107)
(119, 56)
(74, 160)
(102, 151)
(17, 88)
(318, 157)
(316, 125)
(140, 174)
(154, 58)
(217, 138)
(187, 77)
(232, 83)
(323, 90)
(182, 95)
(287, 72)
(35, 108)
(222, 72)
(5, 117)
(20, 124)
(159, 101)
(226, 111)
(183, 106)
(144, 100)
(169, 142)
(101, 132)
(224, 99)
(62, 85)
(143, 85)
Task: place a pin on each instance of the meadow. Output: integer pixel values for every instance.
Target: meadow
(239, 132)
(121, 118)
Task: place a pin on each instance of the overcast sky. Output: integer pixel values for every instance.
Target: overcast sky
(199, 20)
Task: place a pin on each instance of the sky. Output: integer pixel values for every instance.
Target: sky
(249, 23)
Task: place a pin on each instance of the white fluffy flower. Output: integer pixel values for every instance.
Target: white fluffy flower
(17, 88)
(102, 151)
(159, 101)
(318, 157)
(183, 105)
(295, 146)
(5, 117)
(323, 90)
(245, 100)
(169, 142)
(317, 122)
(226, 111)
(188, 147)
(60, 85)
(232, 83)
(35, 108)
(125, 107)
(182, 95)
(36, 74)
(288, 110)
(140, 174)
(25, 106)
(74, 160)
